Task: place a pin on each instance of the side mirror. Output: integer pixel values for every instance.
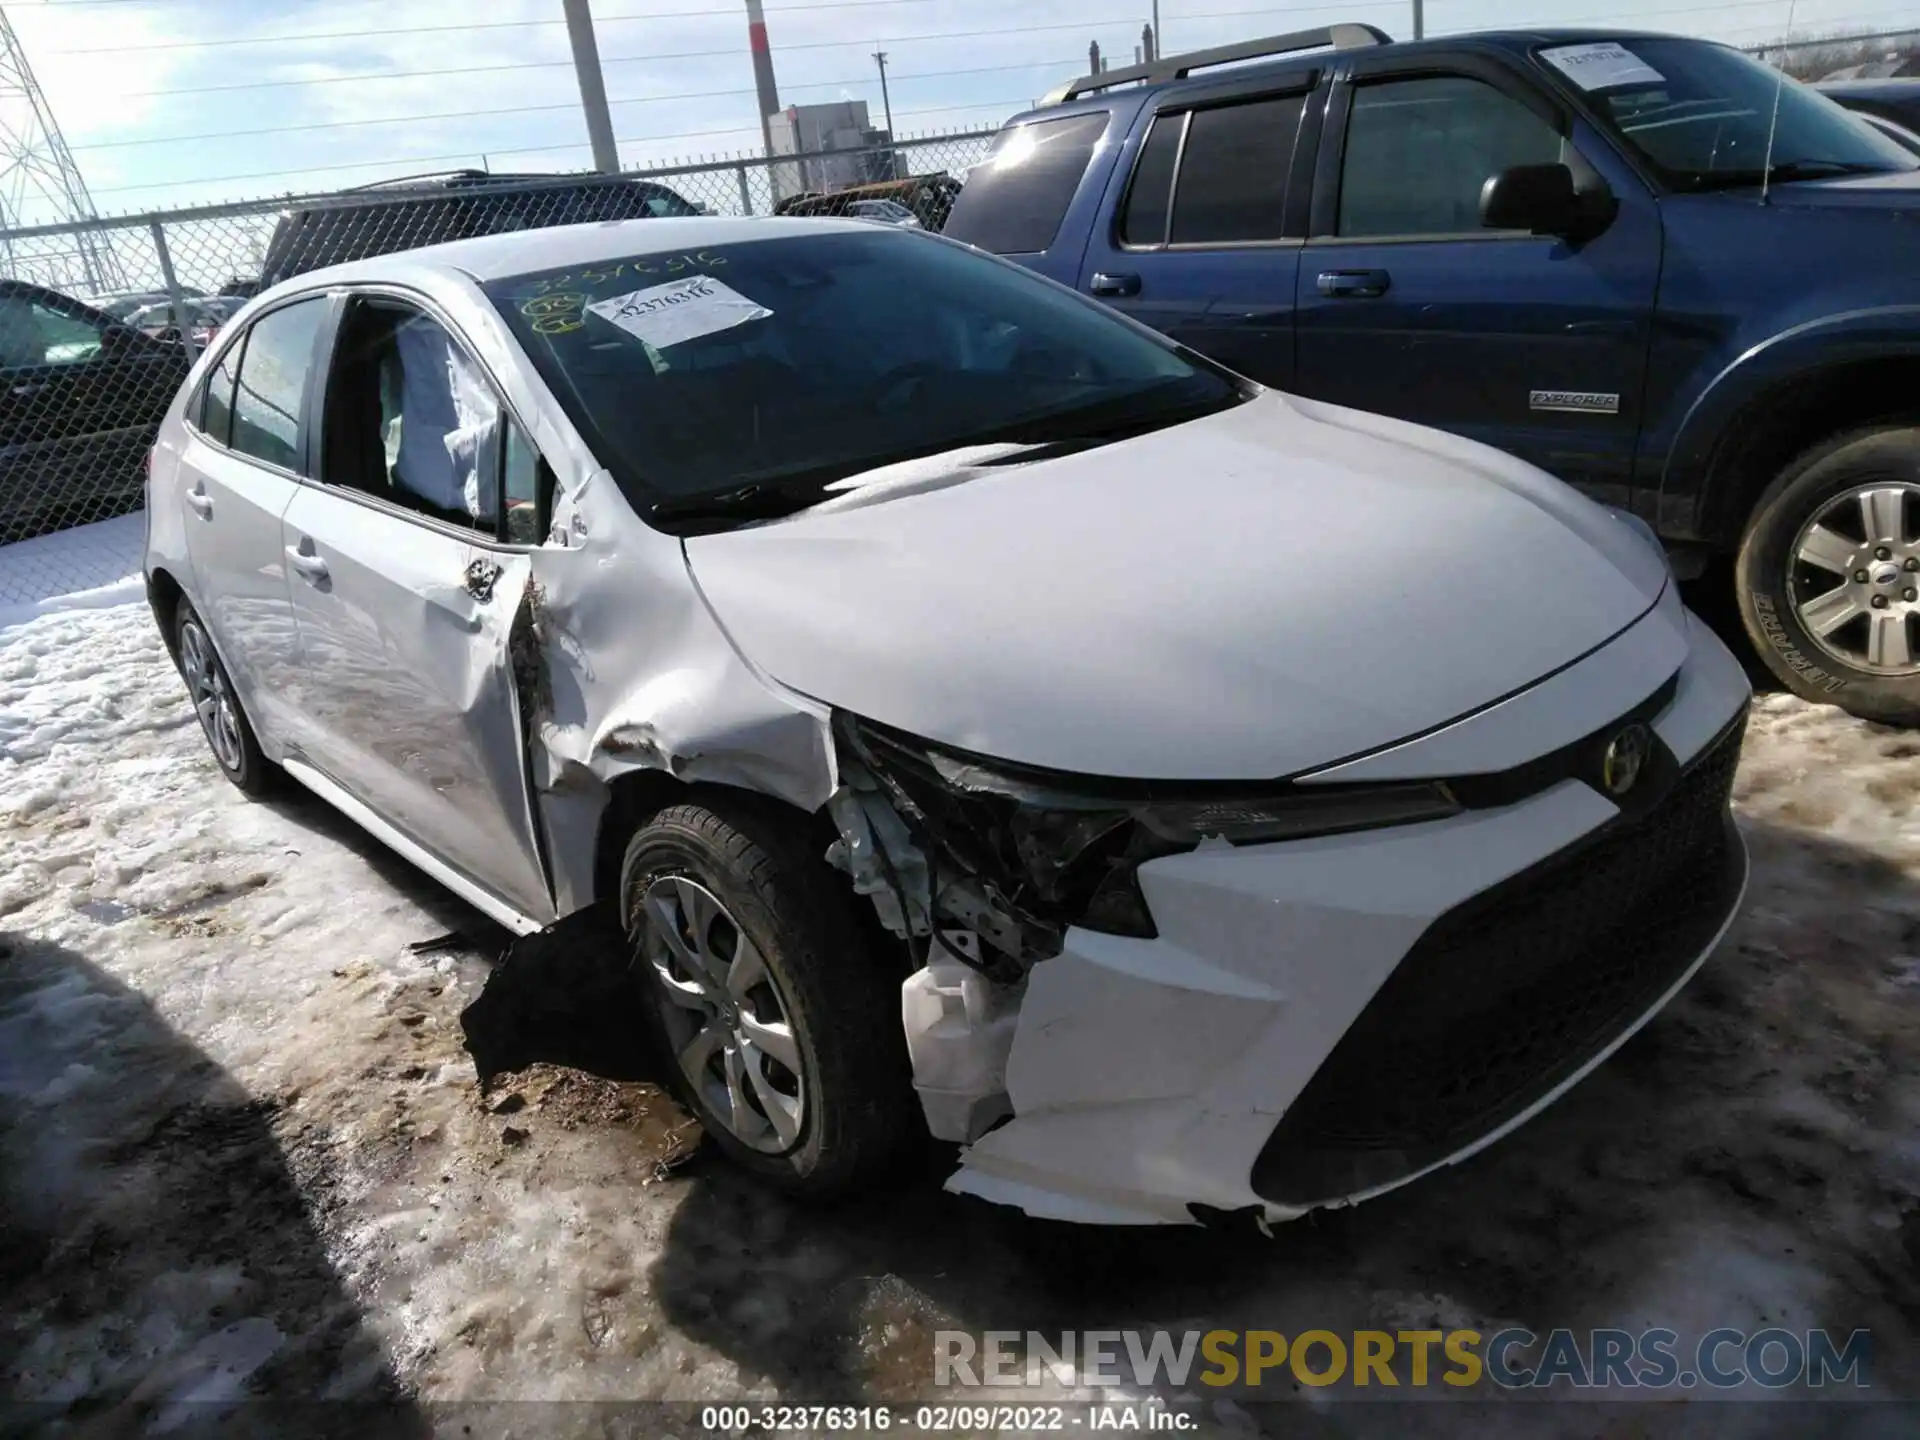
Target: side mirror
(1539, 199)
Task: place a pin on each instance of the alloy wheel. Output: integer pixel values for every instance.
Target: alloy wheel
(1855, 584)
(212, 698)
(729, 1026)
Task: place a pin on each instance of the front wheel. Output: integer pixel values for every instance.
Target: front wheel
(1828, 574)
(777, 1025)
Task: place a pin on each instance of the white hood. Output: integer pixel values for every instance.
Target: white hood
(1262, 592)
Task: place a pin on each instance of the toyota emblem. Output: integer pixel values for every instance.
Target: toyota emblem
(1626, 757)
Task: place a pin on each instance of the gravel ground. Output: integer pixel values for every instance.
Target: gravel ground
(243, 1153)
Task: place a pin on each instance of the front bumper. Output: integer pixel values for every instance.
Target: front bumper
(1323, 1020)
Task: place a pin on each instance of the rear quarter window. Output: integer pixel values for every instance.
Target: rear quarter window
(1014, 200)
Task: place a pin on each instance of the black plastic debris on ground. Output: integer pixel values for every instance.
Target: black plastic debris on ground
(565, 995)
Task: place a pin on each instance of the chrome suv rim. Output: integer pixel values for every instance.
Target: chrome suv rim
(727, 1021)
(212, 700)
(1856, 580)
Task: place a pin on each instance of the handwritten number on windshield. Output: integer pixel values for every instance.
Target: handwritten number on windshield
(605, 274)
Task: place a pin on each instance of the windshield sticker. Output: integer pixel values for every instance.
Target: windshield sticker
(664, 315)
(1603, 66)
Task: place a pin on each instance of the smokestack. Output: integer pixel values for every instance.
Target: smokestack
(768, 95)
(1146, 42)
(1093, 58)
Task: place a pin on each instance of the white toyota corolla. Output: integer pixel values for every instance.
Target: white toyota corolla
(982, 713)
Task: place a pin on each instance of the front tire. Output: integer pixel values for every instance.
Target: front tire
(228, 732)
(1828, 574)
(777, 1025)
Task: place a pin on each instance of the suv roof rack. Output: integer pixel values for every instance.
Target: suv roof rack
(1177, 67)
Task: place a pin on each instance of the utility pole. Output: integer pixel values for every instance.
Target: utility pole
(767, 96)
(880, 59)
(1419, 20)
(1155, 47)
(593, 86)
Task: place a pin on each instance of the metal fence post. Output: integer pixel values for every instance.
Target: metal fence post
(746, 195)
(178, 300)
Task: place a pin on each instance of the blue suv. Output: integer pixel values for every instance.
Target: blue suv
(1650, 265)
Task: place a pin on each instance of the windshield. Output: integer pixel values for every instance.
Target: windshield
(752, 376)
(1699, 114)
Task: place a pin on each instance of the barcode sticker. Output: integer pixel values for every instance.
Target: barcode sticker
(1606, 65)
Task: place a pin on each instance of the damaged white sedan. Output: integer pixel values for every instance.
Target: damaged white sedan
(985, 715)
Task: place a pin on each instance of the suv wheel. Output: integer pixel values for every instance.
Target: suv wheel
(229, 734)
(775, 1023)
(1829, 574)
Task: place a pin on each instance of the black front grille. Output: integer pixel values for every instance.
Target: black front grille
(1511, 992)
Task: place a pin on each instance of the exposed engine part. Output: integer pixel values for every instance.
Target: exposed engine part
(876, 850)
(959, 1027)
(889, 862)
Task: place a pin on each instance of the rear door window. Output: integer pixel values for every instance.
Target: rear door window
(1143, 221)
(1015, 199)
(216, 418)
(270, 397)
(1233, 172)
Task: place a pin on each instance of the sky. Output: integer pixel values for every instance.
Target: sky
(170, 103)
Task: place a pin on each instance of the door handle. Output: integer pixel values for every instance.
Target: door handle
(201, 501)
(1105, 284)
(302, 558)
(1354, 284)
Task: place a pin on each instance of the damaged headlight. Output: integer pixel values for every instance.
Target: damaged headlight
(1059, 849)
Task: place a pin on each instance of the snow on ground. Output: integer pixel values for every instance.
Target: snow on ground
(243, 1152)
(83, 568)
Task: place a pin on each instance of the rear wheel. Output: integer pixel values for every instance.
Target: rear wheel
(777, 1025)
(1828, 575)
(222, 721)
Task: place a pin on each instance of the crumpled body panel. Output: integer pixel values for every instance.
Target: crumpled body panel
(627, 670)
(1146, 1076)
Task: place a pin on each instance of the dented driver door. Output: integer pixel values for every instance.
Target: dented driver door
(408, 685)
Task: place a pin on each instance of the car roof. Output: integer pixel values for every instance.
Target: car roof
(519, 252)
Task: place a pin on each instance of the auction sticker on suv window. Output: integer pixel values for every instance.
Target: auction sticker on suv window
(1602, 66)
(664, 315)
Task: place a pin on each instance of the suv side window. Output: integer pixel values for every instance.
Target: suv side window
(412, 419)
(1014, 200)
(1233, 175)
(270, 394)
(1232, 185)
(1419, 150)
(1143, 220)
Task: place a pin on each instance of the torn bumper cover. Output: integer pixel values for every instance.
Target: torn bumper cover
(1279, 1025)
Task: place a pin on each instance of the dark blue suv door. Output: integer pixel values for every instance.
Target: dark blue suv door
(1208, 207)
(1407, 306)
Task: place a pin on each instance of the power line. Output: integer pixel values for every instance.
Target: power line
(573, 105)
(549, 65)
(576, 144)
(17, 5)
(685, 14)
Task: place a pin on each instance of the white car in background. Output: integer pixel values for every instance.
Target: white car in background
(1205, 802)
(886, 212)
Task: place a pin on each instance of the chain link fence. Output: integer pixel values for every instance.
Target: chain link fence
(100, 322)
